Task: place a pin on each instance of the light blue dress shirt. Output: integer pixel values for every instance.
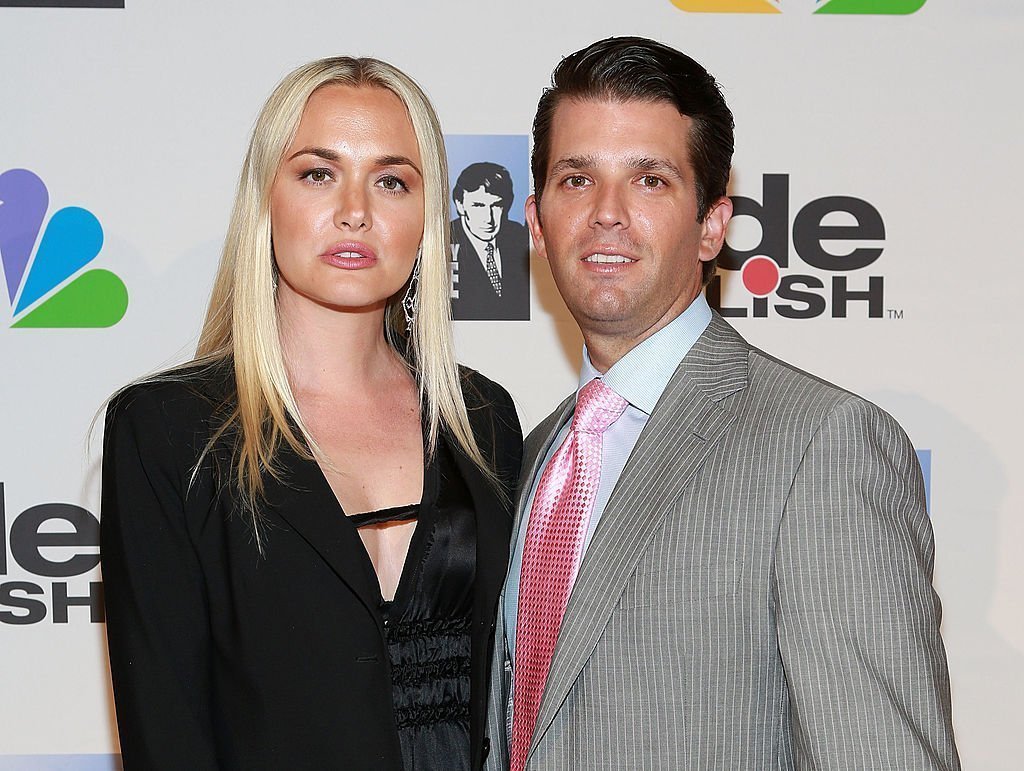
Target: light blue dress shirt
(640, 377)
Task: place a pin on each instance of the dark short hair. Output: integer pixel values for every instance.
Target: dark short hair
(636, 69)
(492, 177)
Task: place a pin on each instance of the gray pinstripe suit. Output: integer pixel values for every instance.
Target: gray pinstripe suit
(758, 592)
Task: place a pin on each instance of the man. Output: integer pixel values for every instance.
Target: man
(490, 253)
(721, 562)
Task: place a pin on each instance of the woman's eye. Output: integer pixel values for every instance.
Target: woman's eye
(391, 183)
(317, 176)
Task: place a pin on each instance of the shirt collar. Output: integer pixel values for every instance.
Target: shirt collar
(641, 376)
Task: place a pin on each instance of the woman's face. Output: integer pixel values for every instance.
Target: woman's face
(346, 206)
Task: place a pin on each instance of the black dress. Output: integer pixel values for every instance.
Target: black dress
(429, 621)
(225, 657)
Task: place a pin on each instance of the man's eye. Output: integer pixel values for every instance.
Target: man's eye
(649, 180)
(577, 180)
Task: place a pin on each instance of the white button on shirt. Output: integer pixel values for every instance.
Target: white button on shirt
(640, 377)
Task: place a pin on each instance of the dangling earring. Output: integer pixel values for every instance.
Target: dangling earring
(411, 300)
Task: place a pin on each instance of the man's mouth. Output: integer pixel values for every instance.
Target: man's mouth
(608, 259)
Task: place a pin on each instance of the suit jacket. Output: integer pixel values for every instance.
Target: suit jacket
(223, 658)
(477, 300)
(757, 594)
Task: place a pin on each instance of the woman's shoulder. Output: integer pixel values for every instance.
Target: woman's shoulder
(491, 411)
(495, 423)
(481, 393)
(184, 395)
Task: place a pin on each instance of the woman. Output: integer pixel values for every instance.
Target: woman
(305, 530)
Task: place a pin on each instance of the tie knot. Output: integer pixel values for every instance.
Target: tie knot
(597, 407)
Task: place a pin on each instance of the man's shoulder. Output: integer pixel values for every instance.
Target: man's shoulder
(766, 389)
(794, 396)
(766, 374)
(789, 380)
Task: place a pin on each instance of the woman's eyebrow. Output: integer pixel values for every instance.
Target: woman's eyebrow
(383, 160)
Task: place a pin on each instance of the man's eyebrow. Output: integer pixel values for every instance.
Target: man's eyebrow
(573, 163)
(662, 165)
(583, 162)
(383, 160)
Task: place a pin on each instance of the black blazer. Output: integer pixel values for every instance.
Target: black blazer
(476, 300)
(225, 659)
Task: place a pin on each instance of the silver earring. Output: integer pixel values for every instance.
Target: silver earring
(411, 300)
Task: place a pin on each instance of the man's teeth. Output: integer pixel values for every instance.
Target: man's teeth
(607, 258)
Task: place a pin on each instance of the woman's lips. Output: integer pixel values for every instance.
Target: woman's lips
(349, 255)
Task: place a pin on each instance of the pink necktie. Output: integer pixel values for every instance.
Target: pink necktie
(551, 553)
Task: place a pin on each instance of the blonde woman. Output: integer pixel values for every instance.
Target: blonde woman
(305, 530)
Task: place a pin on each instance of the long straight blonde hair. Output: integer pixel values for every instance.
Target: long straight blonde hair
(241, 324)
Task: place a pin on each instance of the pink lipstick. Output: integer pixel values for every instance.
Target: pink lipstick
(349, 255)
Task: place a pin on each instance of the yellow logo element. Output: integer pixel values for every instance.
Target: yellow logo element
(727, 6)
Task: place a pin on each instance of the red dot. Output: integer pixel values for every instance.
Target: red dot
(760, 276)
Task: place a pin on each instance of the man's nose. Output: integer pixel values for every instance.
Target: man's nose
(610, 207)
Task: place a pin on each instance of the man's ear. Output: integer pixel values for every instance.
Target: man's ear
(533, 222)
(460, 208)
(713, 231)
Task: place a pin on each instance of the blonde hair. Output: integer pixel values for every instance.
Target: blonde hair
(242, 324)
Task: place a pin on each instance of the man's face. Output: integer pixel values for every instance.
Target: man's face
(618, 216)
(481, 213)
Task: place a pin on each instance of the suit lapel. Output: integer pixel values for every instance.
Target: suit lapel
(304, 500)
(683, 428)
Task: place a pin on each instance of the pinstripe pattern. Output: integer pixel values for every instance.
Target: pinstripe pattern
(758, 592)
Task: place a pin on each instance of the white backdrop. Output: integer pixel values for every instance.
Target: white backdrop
(141, 115)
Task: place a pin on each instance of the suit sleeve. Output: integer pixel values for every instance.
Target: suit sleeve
(858, 620)
(157, 632)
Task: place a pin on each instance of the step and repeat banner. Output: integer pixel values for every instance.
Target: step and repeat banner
(123, 125)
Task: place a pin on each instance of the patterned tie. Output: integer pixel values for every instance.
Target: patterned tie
(492, 269)
(552, 551)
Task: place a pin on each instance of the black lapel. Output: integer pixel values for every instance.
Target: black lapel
(493, 526)
(304, 500)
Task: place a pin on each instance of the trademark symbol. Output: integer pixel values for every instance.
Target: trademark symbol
(893, 313)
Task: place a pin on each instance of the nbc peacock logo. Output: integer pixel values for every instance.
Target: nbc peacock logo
(860, 7)
(52, 290)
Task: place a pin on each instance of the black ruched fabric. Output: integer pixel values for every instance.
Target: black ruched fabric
(428, 622)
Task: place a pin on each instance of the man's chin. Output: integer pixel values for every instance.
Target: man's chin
(603, 319)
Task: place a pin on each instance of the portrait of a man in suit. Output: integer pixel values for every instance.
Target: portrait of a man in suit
(719, 561)
(490, 252)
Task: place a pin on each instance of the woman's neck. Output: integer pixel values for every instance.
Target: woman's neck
(332, 351)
